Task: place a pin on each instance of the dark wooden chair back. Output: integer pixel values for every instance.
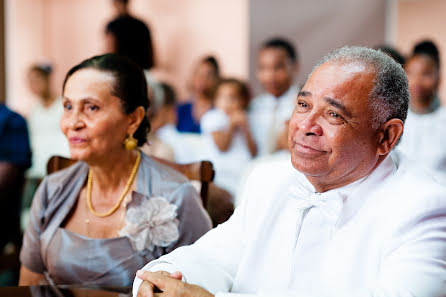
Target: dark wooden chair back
(202, 171)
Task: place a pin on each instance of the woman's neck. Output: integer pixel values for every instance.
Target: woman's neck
(200, 106)
(113, 172)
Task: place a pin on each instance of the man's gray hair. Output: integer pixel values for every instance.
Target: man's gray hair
(389, 97)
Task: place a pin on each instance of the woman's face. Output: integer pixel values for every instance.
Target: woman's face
(38, 83)
(93, 119)
(204, 79)
(423, 78)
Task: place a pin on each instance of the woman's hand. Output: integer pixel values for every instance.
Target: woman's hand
(163, 284)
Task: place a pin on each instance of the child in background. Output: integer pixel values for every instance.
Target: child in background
(229, 142)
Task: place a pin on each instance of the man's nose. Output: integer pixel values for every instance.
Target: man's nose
(310, 126)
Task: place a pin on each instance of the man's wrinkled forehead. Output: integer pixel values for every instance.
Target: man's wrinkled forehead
(341, 80)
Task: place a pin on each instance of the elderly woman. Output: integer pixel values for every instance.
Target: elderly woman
(101, 219)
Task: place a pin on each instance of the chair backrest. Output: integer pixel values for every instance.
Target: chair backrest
(202, 171)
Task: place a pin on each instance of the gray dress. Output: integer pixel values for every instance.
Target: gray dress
(174, 213)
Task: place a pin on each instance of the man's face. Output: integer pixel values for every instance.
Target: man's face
(330, 134)
(423, 77)
(275, 70)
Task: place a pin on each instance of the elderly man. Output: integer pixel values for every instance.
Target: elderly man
(350, 221)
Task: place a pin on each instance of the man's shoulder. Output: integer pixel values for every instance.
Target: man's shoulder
(266, 178)
(414, 186)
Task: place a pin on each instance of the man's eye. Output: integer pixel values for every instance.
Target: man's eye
(67, 106)
(93, 107)
(334, 115)
(302, 104)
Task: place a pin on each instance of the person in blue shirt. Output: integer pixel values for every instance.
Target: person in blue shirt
(204, 80)
(15, 158)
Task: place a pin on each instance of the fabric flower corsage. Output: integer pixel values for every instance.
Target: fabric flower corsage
(150, 222)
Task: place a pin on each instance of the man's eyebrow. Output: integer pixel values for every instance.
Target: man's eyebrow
(337, 104)
(303, 94)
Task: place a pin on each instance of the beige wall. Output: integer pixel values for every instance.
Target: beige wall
(422, 19)
(315, 27)
(67, 31)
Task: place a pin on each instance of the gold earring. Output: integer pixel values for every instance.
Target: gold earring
(130, 143)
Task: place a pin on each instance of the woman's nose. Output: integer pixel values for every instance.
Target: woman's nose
(75, 121)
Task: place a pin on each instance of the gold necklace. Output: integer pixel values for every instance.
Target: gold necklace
(127, 188)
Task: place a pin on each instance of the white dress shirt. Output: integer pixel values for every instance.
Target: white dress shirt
(424, 140)
(381, 236)
(267, 115)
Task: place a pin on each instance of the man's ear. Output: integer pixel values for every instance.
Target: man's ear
(388, 135)
(135, 118)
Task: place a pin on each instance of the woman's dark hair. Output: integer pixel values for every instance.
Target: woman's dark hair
(43, 69)
(242, 88)
(170, 98)
(133, 40)
(428, 48)
(129, 86)
(284, 44)
(211, 60)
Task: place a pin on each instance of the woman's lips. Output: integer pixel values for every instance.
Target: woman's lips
(77, 140)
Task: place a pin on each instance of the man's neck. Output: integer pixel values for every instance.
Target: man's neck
(324, 184)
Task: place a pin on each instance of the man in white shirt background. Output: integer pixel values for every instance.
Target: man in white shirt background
(277, 64)
(351, 220)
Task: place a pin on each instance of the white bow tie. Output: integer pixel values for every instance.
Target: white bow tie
(330, 203)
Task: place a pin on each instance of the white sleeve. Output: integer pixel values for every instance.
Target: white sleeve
(160, 266)
(214, 120)
(212, 261)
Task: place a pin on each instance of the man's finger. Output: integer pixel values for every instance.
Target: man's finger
(159, 280)
(177, 275)
(146, 289)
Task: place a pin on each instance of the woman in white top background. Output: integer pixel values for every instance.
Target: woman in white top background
(45, 135)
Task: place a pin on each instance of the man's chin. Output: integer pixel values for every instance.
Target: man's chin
(308, 169)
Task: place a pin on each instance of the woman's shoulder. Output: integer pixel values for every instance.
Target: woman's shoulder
(64, 180)
(161, 177)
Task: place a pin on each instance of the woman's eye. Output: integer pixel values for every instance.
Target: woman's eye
(67, 106)
(92, 107)
(334, 115)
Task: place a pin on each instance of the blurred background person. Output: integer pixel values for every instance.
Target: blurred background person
(116, 203)
(425, 128)
(163, 136)
(229, 142)
(423, 71)
(130, 37)
(277, 65)
(204, 79)
(46, 138)
(121, 7)
(15, 158)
